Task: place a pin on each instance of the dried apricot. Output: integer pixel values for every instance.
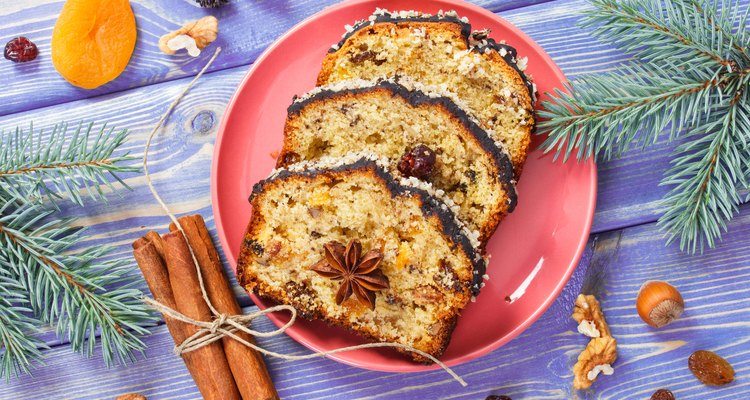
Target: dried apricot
(93, 40)
(710, 368)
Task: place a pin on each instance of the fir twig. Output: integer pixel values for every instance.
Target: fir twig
(690, 78)
(35, 166)
(46, 269)
(21, 349)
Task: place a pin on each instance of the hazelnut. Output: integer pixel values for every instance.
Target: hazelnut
(659, 303)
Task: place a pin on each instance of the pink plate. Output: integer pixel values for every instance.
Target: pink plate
(549, 228)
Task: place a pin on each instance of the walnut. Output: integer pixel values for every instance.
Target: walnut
(193, 36)
(588, 314)
(597, 358)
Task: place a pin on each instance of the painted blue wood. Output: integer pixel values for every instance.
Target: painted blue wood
(536, 365)
(246, 29)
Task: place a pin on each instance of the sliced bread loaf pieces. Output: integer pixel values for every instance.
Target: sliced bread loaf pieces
(391, 118)
(317, 226)
(439, 50)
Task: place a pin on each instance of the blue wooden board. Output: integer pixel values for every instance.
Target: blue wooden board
(628, 248)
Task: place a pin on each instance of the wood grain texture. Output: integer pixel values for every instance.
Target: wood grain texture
(536, 365)
(246, 29)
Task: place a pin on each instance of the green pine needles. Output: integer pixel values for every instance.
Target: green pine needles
(689, 81)
(48, 275)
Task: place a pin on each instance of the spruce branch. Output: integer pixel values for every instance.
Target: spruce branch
(20, 348)
(600, 115)
(682, 32)
(50, 273)
(63, 165)
(690, 79)
(71, 290)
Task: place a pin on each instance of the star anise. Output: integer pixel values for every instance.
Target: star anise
(359, 275)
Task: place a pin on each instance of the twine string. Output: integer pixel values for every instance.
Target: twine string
(228, 325)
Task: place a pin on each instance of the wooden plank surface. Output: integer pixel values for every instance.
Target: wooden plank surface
(246, 29)
(535, 365)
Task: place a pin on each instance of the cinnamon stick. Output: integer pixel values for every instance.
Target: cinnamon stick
(150, 255)
(155, 273)
(249, 370)
(213, 378)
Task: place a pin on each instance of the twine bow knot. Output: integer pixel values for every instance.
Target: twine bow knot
(227, 325)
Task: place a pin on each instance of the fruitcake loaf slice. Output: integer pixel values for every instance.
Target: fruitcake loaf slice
(423, 133)
(344, 241)
(439, 50)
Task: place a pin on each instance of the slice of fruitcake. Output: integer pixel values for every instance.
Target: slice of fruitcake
(424, 134)
(344, 241)
(439, 50)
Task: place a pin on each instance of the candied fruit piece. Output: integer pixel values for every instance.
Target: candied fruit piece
(319, 197)
(93, 40)
(20, 50)
(710, 368)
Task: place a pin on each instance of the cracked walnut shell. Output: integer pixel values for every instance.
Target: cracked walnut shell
(597, 358)
(193, 36)
(587, 311)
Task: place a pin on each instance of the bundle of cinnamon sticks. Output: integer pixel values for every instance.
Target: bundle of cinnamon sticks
(224, 369)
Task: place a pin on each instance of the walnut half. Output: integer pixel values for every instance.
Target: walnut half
(588, 314)
(193, 36)
(597, 358)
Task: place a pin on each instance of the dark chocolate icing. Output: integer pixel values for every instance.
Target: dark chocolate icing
(416, 98)
(430, 205)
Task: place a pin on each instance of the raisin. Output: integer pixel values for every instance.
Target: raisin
(662, 394)
(471, 174)
(710, 368)
(417, 162)
(493, 397)
(20, 50)
(290, 158)
(362, 57)
(256, 247)
(315, 234)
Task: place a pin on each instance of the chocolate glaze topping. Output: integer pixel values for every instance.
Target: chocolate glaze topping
(416, 98)
(430, 205)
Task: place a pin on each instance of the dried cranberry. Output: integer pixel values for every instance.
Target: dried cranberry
(417, 162)
(21, 49)
(662, 394)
